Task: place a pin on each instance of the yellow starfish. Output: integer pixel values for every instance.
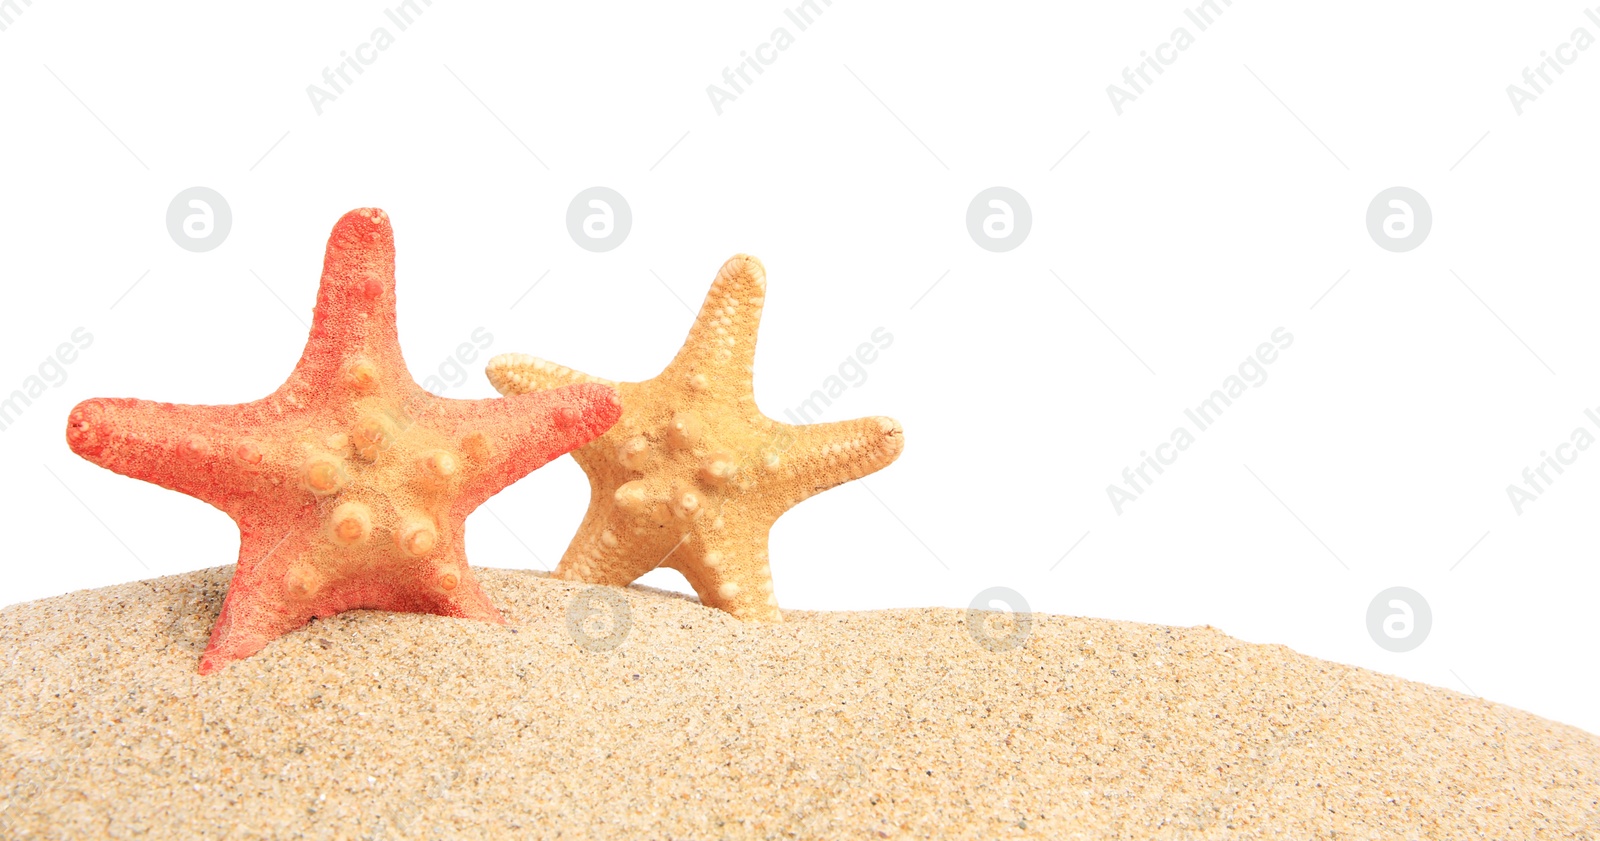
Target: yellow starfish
(694, 475)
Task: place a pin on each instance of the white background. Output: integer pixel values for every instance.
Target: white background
(1194, 224)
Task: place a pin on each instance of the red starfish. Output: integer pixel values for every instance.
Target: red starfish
(350, 484)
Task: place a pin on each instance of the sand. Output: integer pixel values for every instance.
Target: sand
(863, 725)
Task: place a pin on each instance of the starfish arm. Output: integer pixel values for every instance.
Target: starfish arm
(722, 343)
(519, 373)
(257, 609)
(812, 459)
(614, 547)
(194, 450)
(468, 601)
(355, 313)
(728, 569)
(507, 438)
(286, 575)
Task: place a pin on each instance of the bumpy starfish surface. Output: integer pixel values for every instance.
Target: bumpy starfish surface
(350, 484)
(693, 476)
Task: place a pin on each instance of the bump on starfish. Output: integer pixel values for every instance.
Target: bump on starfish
(694, 475)
(350, 484)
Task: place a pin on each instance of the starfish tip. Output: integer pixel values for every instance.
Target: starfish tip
(894, 435)
(504, 372)
(361, 246)
(363, 220)
(363, 233)
(86, 428)
(744, 266)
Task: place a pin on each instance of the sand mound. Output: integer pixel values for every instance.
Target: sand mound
(697, 726)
